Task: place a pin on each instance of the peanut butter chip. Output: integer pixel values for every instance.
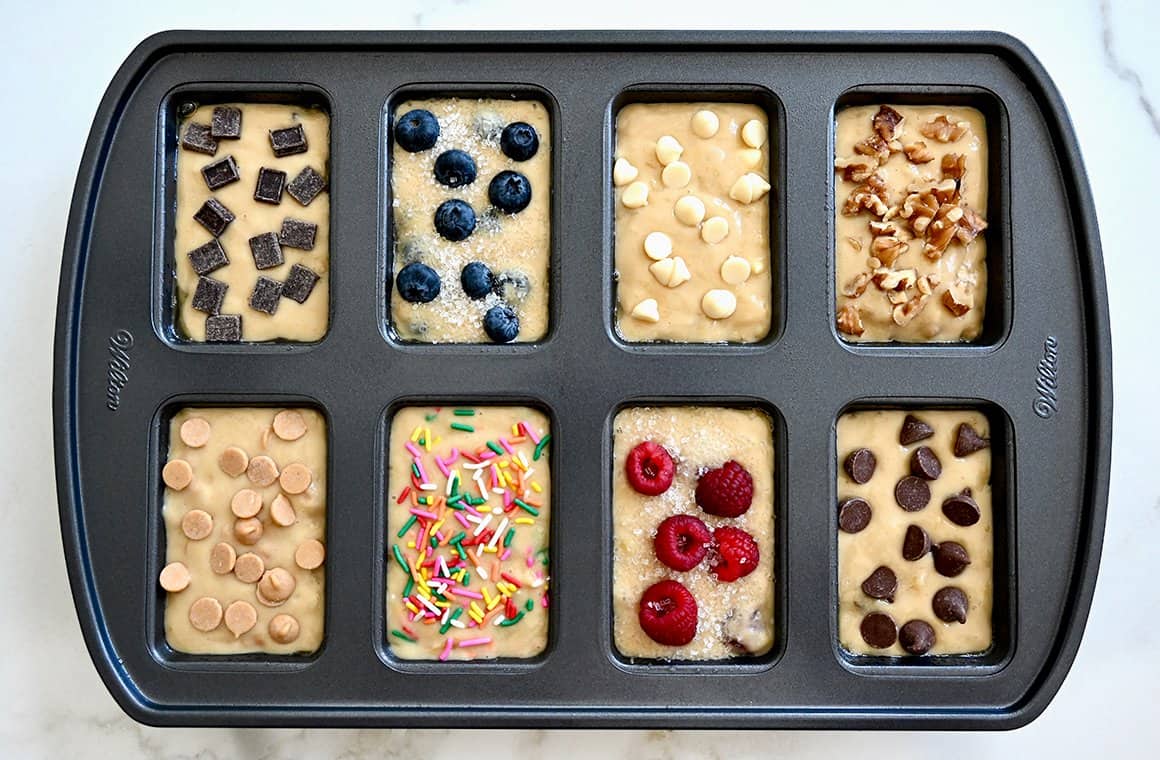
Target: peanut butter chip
(249, 568)
(658, 245)
(205, 614)
(276, 587)
(647, 311)
(282, 512)
(222, 558)
(676, 174)
(246, 503)
(196, 524)
(719, 304)
(295, 478)
(735, 270)
(668, 150)
(715, 229)
(623, 172)
(753, 133)
(195, 432)
(289, 425)
(689, 210)
(240, 617)
(310, 554)
(233, 461)
(262, 471)
(174, 577)
(283, 628)
(248, 531)
(635, 195)
(705, 124)
(177, 474)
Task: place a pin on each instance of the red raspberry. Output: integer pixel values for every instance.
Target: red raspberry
(668, 613)
(682, 542)
(649, 468)
(736, 554)
(726, 491)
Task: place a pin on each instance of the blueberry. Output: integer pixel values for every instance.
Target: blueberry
(454, 168)
(501, 324)
(512, 286)
(455, 220)
(417, 283)
(510, 192)
(417, 130)
(476, 280)
(519, 141)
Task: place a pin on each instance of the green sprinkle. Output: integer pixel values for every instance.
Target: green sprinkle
(462, 554)
(495, 447)
(475, 501)
(431, 417)
(454, 503)
(513, 621)
(507, 539)
(415, 469)
(401, 559)
(402, 636)
(461, 426)
(464, 413)
(466, 580)
(540, 447)
(434, 542)
(530, 605)
(527, 507)
(409, 587)
(458, 537)
(406, 526)
(543, 555)
(455, 486)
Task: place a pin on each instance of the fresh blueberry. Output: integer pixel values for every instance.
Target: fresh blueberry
(501, 324)
(519, 141)
(476, 280)
(454, 168)
(417, 130)
(512, 286)
(455, 220)
(418, 283)
(510, 192)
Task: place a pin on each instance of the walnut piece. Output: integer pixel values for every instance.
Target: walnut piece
(870, 196)
(897, 296)
(891, 279)
(875, 147)
(903, 313)
(957, 302)
(887, 248)
(918, 153)
(887, 123)
(855, 243)
(857, 286)
(881, 228)
(856, 169)
(970, 225)
(946, 191)
(954, 166)
(850, 320)
(919, 209)
(942, 230)
(943, 129)
(927, 283)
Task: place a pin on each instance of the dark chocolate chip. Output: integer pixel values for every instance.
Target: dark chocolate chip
(209, 257)
(968, 441)
(288, 141)
(270, 185)
(881, 584)
(226, 124)
(223, 328)
(854, 514)
(221, 173)
(914, 430)
(299, 283)
(197, 137)
(266, 250)
(214, 217)
(961, 509)
(916, 637)
(306, 186)
(266, 295)
(950, 605)
(209, 295)
(912, 494)
(924, 463)
(878, 630)
(298, 234)
(860, 465)
(915, 544)
(950, 559)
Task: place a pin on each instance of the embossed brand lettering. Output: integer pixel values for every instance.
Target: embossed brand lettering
(119, 344)
(1046, 402)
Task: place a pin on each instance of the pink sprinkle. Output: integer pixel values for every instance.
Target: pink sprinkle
(415, 452)
(531, 558)
(462, 520)
(422, 471)
(422, 541)
(441, 579)
(442, 467)
(506, 553)
(475, 642)
(452, 456)
(544, 600)
(487, 454)
(460, 591)
(530, 433)
(439, 535)
(446, 649)
(506, 446)
(494, 476)
(507, 499)
(472, 511)
(423, 513)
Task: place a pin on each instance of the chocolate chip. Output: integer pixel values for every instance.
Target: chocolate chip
(209, 295)
(854, 514)
(208, 257)
(881, 584)
(860, 465)
(197, 137)
(226, 123)
(298, 234)
(299, 283)
(266, 295)
(912, 494)
(306, 186)
(924, 463)
(266, 250)
(968, 441)
(878, 630)
(223, 328)
(961, 509)
(950, 559)
(221, 173)
(915, 544)
(214, 217)
(270, 185)
(950, 605)
(914, 430)
(288, 141)
(916, 637)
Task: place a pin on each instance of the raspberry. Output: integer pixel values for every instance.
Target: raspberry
(736, 554)
(649, 468)
(668, 613)
(726, 491)
(682, 542)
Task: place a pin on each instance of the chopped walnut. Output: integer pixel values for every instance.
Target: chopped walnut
(946, 191)
(875, 147)
(890, 279)
(857, 286)
(919, 208)
(881, 228)
(957, 302)
(887, 248)
(905, 312)
(943, 129)
(850, 320)
(970, 225)
(927, 283)
(873, 262)
(857, 169)
(855, 243)
(918, 153)
(954, 166)
(869, 195)
(942, 230)
(897, 296)
(887, 122)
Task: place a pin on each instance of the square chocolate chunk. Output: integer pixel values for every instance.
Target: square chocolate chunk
(221, 173)
(288, 141)
(223, 328)
(265, 295)
(306, 186)
(209, 257)
(226, 123)
(267, 252)
(298, 234)
(270, 184)
(214, 217)
(197, 137)
(209, 295)
(300, 283)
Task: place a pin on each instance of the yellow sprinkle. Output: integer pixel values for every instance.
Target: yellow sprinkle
(415, 435)
(525, 521)
(462, 572)
(427, 439)
(515, 430)
(410, 544)
(503, 463)
(438, 440)
(423, 590)
(507, 476)
(486, 596)
(474, 610)
(422, 557)
(536, 487)
(490, 549)
(495, 600)
(442, 604)
(520, 464)
(435, 528)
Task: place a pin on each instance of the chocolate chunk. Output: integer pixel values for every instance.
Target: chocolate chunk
(266, 250)
(968, 441)
(226, 123)
(209, 295)
(214, 217)
(854, 514)
(950, 605)
(912, 494)
(881, 584)
(950, 559)
(220, 173)
(878, 630)
(961, 509)
(288, 141)
(208, 257)
(197, 137)
(266, 294)
(270, 185)
(306, 186)
(299, 283)
(298, 234)
(915, 544)
(860, 465)
(924, 463)
(916, 637)
(223, 328)
(914, 430)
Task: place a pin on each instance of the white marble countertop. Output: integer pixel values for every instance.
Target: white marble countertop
(56, 63)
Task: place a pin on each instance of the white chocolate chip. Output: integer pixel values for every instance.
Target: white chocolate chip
(735, 270)
(671, 272)
(753, 133)
(647, 311)
(689, 210)
(623, 172)
(668, 150)
(657, 246)
(751, 158)
(676, 174)
(759, 266)
(715, 229)
(749, 188)
(719, 304)
(635, 195)
(705, 124)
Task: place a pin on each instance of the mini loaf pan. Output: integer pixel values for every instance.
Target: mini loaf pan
(1041, 372)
